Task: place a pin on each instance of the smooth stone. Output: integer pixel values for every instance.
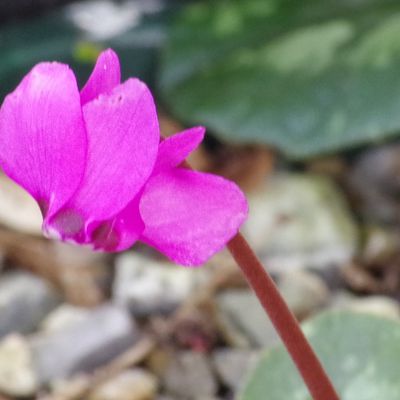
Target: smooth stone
(18, 210)
(135, 384)
(301, 221)
(104, 334)
(189, 375)
(376, 305)
(232, 366)
(17, 374)
(63, 317)
(244, 319)
(303, 291)
(25, 300)
(147, 286)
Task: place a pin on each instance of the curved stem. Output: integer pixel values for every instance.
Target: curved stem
(285, 323)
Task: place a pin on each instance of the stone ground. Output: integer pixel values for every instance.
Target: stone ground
(133, 326)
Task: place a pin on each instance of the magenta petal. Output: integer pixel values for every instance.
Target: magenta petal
(176, 148)
(105, 77)
(123, 137)
(42, 135)
(190, 215)
(121, 232)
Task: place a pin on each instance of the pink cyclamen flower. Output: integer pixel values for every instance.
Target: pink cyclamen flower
(95, 164)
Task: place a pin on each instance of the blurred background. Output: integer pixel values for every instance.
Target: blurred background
(301, 101)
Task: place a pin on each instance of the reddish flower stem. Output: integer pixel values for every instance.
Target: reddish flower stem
(285, 323)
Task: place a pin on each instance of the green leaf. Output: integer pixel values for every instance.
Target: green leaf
(308, 77)
(360, 352)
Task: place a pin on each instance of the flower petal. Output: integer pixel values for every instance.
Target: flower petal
(123, 137)
(124, 230)
(121, 232)
(190, 215)
(105, 77)
(173, 150)
(42, 135)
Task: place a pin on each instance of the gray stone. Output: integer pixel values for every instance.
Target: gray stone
(147, 286)
(17, 375)
(189, 376)
(244, 319)
(303, 291)
(232, 366)
(301, 220)
(341, 299)
(136, 384)
(24, 301)
(85, 345)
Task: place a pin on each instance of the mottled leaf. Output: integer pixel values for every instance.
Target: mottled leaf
(360, 353)
(307, 77)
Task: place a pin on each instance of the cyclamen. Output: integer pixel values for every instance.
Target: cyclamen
(95, 164)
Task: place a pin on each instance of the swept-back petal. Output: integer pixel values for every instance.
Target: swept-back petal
(42, 135)
(123, 137)
(105, 77)
(190, 215)
(176, 148)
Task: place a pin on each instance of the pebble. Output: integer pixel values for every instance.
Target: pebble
(189, 376)
(147, 286)
(25, 300)
(301, 221)
(377, 305)
(243, 320)
(18, 210)
(63, 317)
(135, 384)
(104, 334)
(232, 366)
(303, 291)
(17, 374)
